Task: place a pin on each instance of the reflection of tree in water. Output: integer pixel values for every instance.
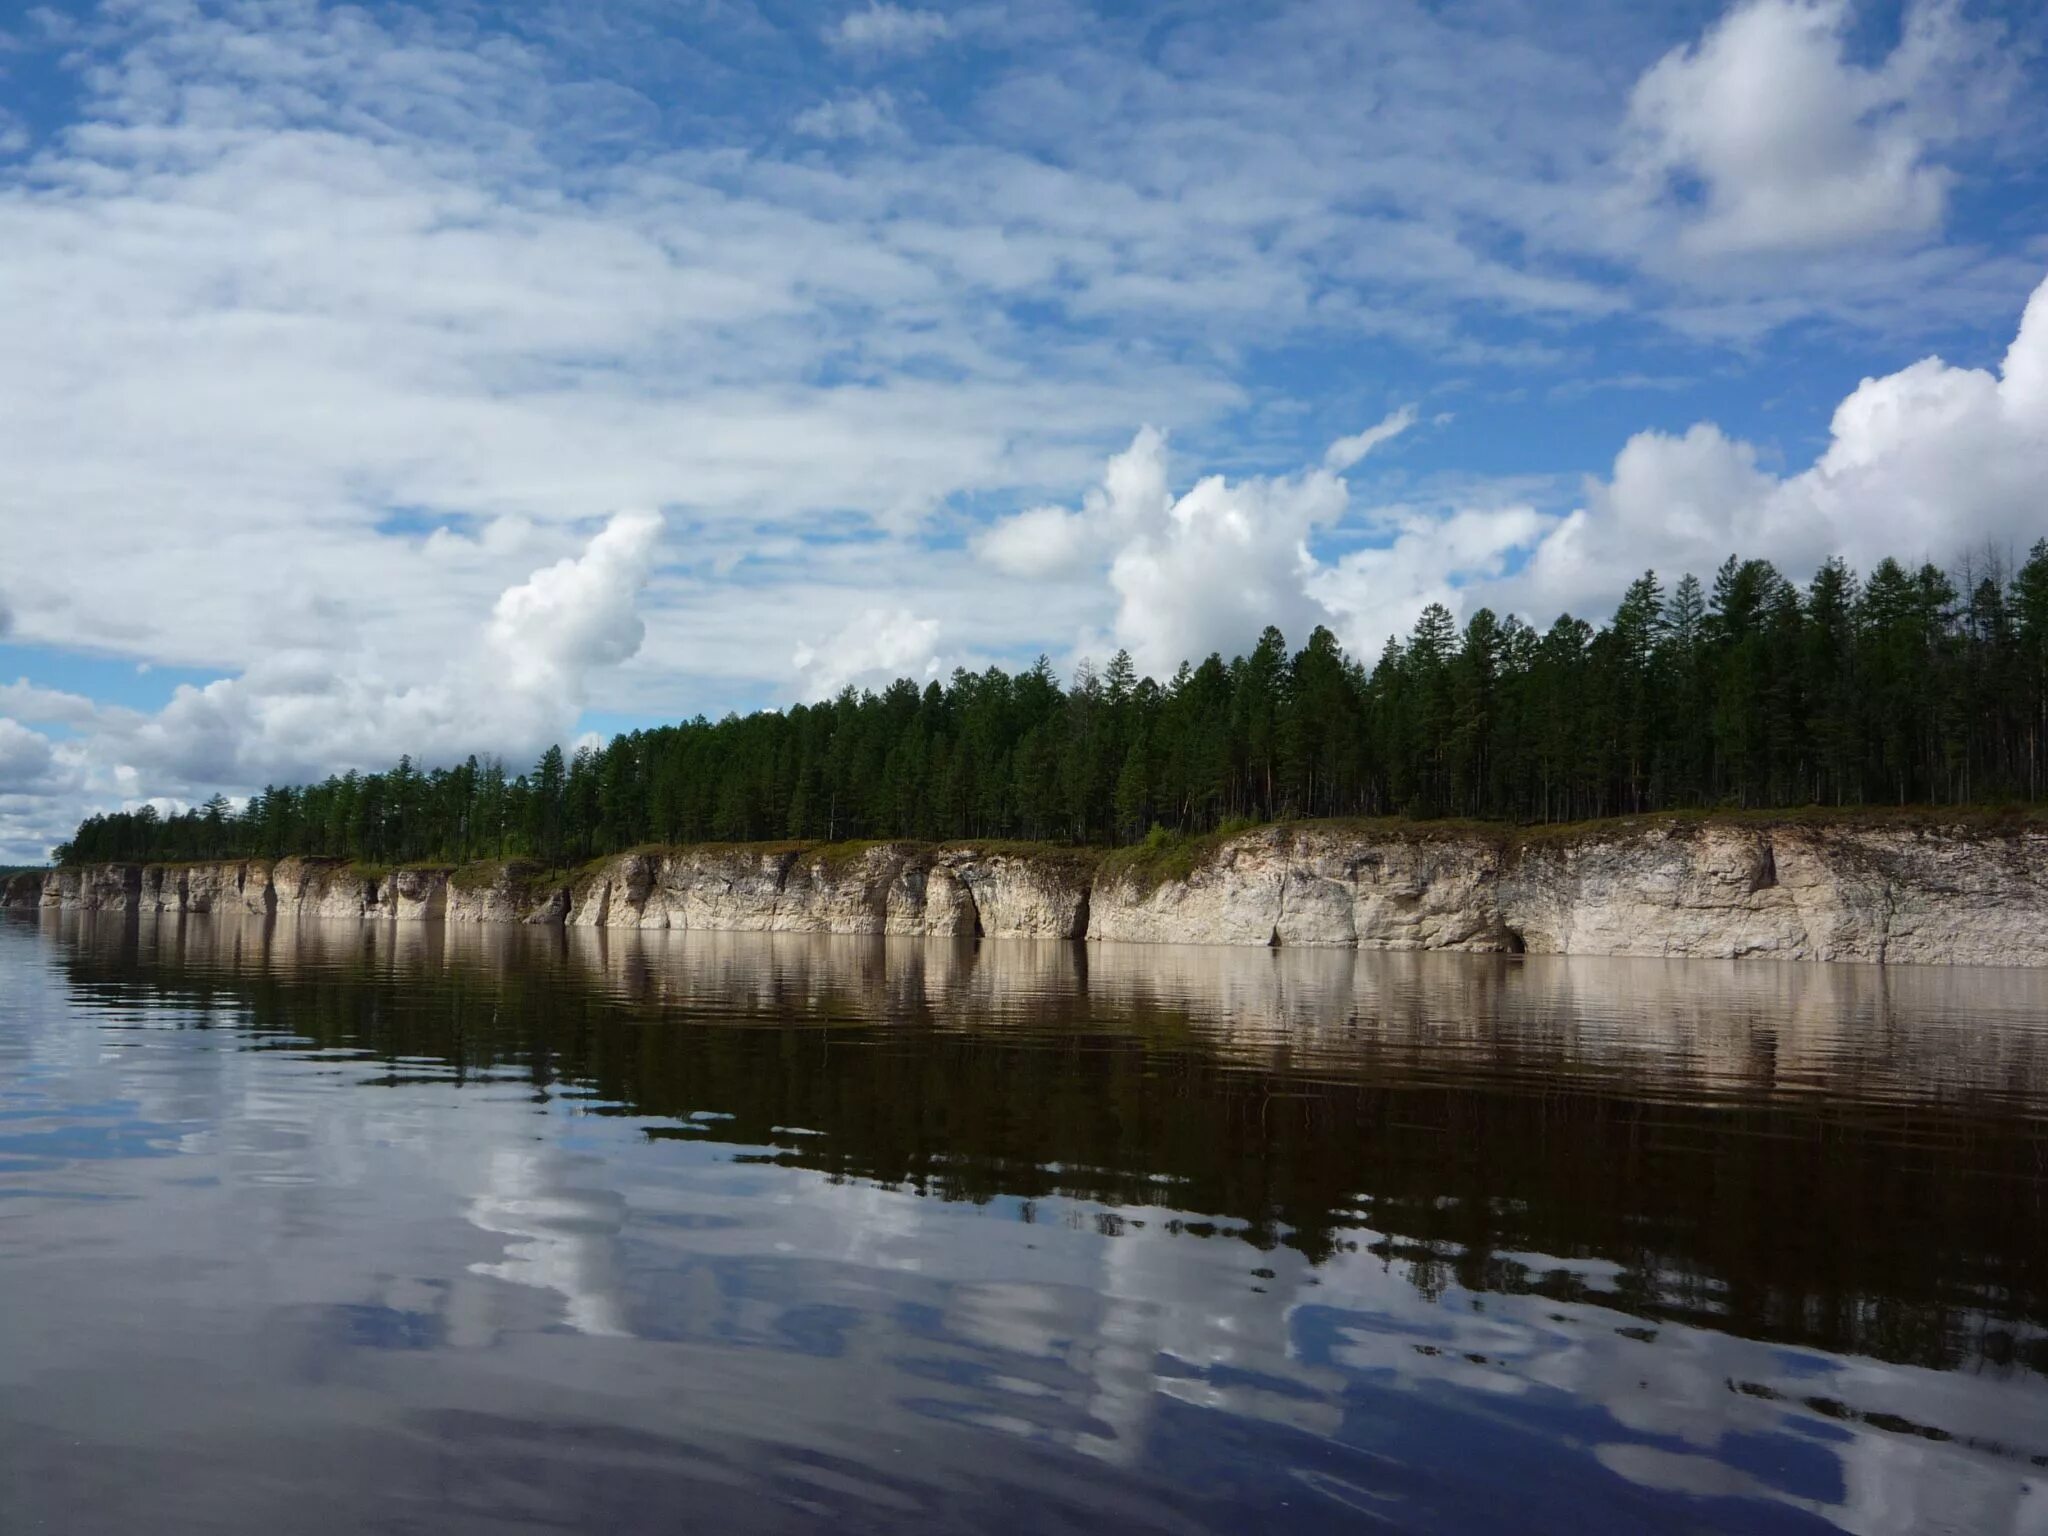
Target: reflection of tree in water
(1456, 1149)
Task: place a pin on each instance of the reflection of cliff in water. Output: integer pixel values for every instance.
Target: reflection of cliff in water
(1845, 1157)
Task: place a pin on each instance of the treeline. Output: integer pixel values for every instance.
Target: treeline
(1902, 687)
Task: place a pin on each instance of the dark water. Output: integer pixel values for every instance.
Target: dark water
(358, 1228)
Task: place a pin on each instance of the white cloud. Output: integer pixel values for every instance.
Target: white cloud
(861, 115)
(1051, 541)
(878, 647)
(577, 615)
(1227, 560)
(26, 757)
(516, 686)
(50, 706)
(1193, 573)
(1347, 451)
(1791, 145)
(1925, 463)
(280, 281)
(888, 29)
(1040, 541)
(1431, 557)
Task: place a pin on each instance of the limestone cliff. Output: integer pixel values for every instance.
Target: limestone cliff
(883, 888)
(1315, 886)
(512, 891)
(1921, 895)
(1913, 894)
(1870, 890)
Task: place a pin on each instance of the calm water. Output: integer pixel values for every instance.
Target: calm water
(356, 1228)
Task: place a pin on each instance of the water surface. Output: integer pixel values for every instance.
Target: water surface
(310, 1227)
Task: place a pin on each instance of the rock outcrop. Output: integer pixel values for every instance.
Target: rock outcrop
(1317, 886)
(322, 888)
(881, 888)
(1882, 891)
(93, 888)
(1918, 896)
(513, 891)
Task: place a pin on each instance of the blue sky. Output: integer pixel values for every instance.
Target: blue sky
(464, 377)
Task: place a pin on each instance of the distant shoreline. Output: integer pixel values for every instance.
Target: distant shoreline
(1897, 887)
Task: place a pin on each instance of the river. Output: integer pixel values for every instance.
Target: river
(320, 1227)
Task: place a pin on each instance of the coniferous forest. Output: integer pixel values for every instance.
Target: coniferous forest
(1900, 687)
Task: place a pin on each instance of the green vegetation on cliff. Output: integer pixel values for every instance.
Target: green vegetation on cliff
(1756, 693)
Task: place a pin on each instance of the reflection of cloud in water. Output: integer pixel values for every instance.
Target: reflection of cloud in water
(1707, 1390)
(566, 1237)
(1056, 1330)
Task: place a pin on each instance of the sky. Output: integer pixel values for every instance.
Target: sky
(391, 379)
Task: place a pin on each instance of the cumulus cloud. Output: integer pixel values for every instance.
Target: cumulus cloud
(861, 115)
(24, 700)
(1791, 145)
(876, 648)
(26, 757)
(1040, 541)
(1924, 463)
(577, 615)
(1928, 462)
(1208, 569)
(1429, 556)
(302, 713)
(1189, 573)
(888, 29)
(1226, 560)
(1052, 541)
(1347, 451)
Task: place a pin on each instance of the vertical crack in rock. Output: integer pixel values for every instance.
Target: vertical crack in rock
(1767, 869)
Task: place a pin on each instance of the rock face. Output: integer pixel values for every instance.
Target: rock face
(884, 888)
(511, 892)
(94, 888)
(415, 895)
(1318, 887)
(321, 888)
(241, 887)
(1926, 894)
(1703, 889)
(24, 889)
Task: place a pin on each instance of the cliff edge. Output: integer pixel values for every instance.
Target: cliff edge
(1924, 893)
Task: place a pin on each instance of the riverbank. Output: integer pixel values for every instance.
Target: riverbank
(1885, 889)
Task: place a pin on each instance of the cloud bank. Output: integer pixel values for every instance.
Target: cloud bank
(1930, 462)
(518, 686)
